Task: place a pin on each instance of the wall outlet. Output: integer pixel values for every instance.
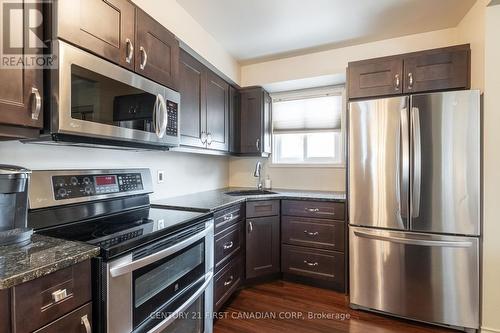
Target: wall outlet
(161, 176)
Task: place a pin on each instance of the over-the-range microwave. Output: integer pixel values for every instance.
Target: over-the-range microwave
(95, 102)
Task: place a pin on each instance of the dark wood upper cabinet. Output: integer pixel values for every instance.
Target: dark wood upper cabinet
(21, 95)
(255, 122)
(217, 112)
(110, 33)
(441, 69)
(262, 246)
(431, 70)
(376, 77)
(192, 78)
(234, 120)
(156, 51)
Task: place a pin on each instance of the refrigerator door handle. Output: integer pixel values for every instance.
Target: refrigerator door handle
(417, 162)
(412, 241)
(404, 163)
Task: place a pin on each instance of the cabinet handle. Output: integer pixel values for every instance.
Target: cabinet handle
(37, 104)
(209, 139)
(250, 227)
(85, 322)
(312, 210)
(410, 80)
(229, 245)
(397, 81)
(228, 217)
(257, 144)
(144, 58)
(229, 281)
(130, 50)
(203, 137)
(59, 295)
(311, 263)
(311, 233)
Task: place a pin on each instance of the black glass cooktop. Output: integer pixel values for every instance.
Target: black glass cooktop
(125, 231)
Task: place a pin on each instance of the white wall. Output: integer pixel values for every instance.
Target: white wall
(320, 179)
(491, 216)
(177, 19)
(185, 173)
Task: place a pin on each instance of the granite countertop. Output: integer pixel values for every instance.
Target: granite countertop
(45, 255)
(210, 201)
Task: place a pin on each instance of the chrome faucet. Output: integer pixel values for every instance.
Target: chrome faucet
(257, 173)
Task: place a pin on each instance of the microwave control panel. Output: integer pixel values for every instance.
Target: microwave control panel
(172, 112)
(77, 186)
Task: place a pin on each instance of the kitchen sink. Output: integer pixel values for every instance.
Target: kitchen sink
(249, 192)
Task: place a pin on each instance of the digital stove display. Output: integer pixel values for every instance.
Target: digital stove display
(76, 186)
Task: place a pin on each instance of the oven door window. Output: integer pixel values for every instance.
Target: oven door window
(161, 285)
(191, 320)
(99, 99)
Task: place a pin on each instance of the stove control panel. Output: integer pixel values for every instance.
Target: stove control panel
(77, 186)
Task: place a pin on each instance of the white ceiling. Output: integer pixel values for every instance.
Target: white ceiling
(253, 30)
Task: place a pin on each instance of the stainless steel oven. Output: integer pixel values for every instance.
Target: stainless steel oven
(165, 286)
(94, 100)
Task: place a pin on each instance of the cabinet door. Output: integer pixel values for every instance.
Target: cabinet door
(156, 52)
(378, 77)
(438, 70)
(22, 86)
(192, 78)
(262, 246)
(217, 112)
(251, 121)
(104, 27)
(4, 311)
(267, 126)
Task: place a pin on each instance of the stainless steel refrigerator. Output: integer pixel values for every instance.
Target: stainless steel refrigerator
(414, 206)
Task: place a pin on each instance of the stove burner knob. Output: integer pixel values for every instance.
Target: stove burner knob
(74, 181)
(86, 180)
(88, 190)
(62, 192)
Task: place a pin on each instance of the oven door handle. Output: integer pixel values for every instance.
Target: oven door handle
(175, 314)
(137, 264)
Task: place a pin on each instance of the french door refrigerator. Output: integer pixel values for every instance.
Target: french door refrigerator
(414, 207)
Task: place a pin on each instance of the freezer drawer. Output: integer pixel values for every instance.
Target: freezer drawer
(424, 277)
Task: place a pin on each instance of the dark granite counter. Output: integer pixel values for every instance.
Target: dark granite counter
(45, 255)
(210, 201)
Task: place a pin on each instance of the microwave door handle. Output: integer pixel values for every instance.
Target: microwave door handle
(162, 116)
(137, 264)
(155, 116)
(175, 314)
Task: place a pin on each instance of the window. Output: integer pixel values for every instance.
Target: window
(308, 127)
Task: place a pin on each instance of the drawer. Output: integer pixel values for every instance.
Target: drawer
(228, 216)
(73, 322)
(43, 306)
(318, 233)
(313, 263)
(227, 281)
(227, 244)
(317, 209)
(263, 208)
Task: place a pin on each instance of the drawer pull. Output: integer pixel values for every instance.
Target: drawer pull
(59, 295)
(85, 322)
(228, 217)
(311, 233)
(312, 210)
(311, 263)
(229, 281)
(228, 245)
(250, 227)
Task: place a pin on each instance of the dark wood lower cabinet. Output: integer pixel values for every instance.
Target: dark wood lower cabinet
(227, 281)
(74, 322)
(262, 246)
(4, 311)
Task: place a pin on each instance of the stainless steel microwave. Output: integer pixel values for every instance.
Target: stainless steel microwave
(93, 101)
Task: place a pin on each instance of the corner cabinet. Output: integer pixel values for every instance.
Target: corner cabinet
(204, 106)
(21, 96)
(432, 70)
(255, 122)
